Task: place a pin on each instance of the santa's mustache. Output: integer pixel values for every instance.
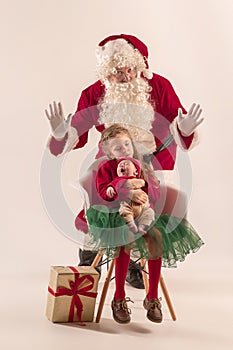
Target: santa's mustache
(136, 91)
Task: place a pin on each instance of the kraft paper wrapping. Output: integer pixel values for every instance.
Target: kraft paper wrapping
(62, 278)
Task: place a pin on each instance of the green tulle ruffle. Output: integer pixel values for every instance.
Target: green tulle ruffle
(168, 237)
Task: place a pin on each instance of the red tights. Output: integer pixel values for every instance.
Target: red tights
(154, 269)
(121, 268)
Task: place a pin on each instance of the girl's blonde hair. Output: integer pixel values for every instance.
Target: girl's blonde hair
(111, 132)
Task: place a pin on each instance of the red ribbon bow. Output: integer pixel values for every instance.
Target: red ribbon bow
(75, 292)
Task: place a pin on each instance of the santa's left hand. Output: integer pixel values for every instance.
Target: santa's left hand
(187, 123)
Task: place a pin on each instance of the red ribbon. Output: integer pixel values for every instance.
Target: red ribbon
(74, 291)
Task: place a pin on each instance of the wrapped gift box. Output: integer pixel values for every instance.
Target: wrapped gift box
(72, 293)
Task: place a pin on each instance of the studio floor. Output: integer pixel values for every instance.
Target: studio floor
(204, 311)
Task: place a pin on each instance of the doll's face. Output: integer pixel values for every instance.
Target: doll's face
(126, 168)
(120, 146)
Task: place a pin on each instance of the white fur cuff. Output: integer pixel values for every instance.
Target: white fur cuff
(178, 138)
(71, 141)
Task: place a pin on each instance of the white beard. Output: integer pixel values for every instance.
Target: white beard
(127, 103)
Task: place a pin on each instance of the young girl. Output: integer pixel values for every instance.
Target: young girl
(110, 231)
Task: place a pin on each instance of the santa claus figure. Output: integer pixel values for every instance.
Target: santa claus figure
(126, 92)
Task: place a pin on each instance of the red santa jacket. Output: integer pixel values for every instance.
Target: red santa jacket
(165, 103)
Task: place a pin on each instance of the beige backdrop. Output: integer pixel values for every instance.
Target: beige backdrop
(48, 53)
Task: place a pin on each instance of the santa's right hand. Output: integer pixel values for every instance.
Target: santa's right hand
(59, 125)
(138, 196)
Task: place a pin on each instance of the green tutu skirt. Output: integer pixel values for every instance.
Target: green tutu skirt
(168, 237)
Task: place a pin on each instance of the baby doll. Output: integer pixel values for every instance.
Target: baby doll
(128, 176)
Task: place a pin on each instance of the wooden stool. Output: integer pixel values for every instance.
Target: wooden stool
(145, 280)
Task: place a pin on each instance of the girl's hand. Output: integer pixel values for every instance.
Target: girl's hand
(138, 196)
(59, 125)
(134, 183)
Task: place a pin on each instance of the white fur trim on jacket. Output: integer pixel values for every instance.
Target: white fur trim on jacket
(178, 139)
(71, 141)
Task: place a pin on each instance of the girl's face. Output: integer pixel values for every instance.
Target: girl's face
(120, 146)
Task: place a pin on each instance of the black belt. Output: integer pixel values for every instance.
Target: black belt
(165, 144)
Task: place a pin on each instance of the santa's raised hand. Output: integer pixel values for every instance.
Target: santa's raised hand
(59, 125)
(187, 123)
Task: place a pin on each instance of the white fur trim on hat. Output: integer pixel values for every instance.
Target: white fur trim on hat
(148, 73)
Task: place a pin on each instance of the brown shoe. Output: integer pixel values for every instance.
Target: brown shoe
(120, 310)
(153, 308)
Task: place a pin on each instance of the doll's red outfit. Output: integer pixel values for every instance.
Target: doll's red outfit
(126, 185)
(107, 176)
(131, 210)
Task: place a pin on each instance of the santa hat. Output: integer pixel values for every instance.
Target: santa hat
(122, 50)
(134, 161)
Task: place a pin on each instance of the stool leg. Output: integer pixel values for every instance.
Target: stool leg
(104, 291)
(167, 298)
(97, 258)
(144, 275)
